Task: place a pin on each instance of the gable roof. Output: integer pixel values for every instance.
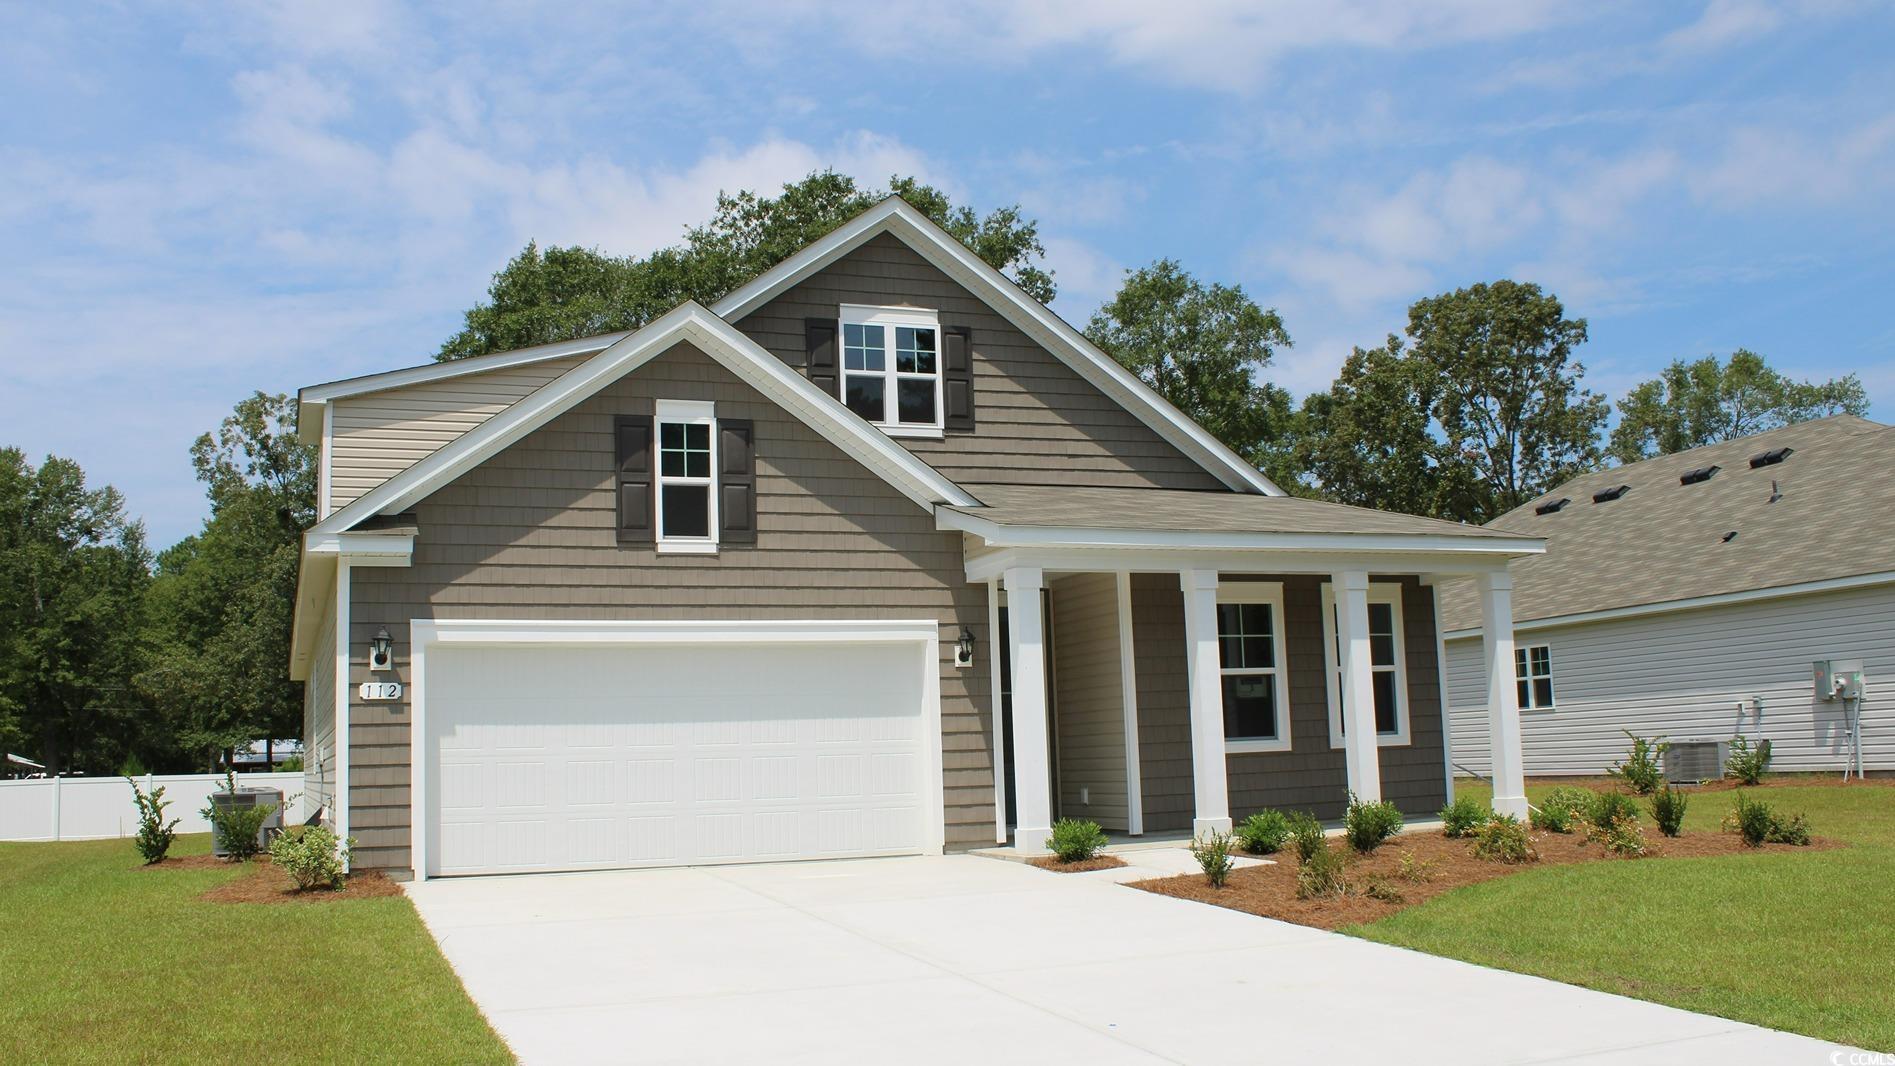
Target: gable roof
(908, 224)
(1820, 515)
(690, 322)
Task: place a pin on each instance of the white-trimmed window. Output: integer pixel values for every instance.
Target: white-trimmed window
(687, 476)
(1251, 666)
(1388, 674)
(891, 367)
(1533, 670)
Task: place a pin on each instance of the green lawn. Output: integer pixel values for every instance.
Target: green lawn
(102, 961)
(1797, 941)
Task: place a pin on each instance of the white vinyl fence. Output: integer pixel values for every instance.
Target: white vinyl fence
(94, 808)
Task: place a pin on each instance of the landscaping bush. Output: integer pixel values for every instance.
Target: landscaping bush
(1463, 816)
(1319, 876)
(1212, 851)
(1642, 770)
(1759, 825)
(1415, 870)
(1380, 888)
(236, 828)
(1668, 806)
(1620, 835)
(1747, 763)
(311, 856)
(1306, 834)
(154, 833)
(1571, 800)
(1551, 819)
(1264, 832)
(1504, 839)
(1609, 807)
(1074, 840)
(1366, 825)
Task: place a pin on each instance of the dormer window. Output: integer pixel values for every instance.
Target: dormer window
(891, 366)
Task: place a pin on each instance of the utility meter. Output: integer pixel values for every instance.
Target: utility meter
(1839, 679)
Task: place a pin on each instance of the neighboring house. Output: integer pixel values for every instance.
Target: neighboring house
(733, 587)
(1690, 595)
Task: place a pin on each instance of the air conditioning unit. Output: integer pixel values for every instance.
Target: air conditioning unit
(1690, 761)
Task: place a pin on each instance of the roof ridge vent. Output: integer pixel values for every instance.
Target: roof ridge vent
(1771, 457)
(1604, 495)
(1702, 473)
(1553, 505)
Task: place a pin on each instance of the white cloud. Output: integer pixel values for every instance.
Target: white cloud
(1086, 277)
(1725, 22)
(1774, 166)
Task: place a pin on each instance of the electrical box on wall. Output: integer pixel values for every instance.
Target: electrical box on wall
(1839, 679)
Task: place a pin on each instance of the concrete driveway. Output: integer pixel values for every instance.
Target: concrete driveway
(964, 959)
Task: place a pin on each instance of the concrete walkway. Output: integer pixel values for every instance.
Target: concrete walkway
(963, 959)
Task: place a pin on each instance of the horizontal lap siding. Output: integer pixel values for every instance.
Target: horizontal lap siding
(1682, 675)
(1311, 775)
(1038, 421)
(319, 717)
(376, 436)
(1089, 701)
(530, 534)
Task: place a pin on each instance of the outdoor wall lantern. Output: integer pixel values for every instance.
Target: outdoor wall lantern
(381, 650)
(964, 648)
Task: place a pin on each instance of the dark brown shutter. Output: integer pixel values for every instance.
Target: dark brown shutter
(957, 379)
(819, 337)
(633, 437)
(736, 481)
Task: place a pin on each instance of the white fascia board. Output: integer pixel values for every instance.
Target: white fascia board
(478, 364)
(1003, 536)
(919, 232)
(987, 566)
(1722, 599)
(688, 322)
(315, 584)
(362, 547)
(693, 631)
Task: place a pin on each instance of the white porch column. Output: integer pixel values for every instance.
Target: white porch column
(1026, 652)
(1207, 701)
(1503, 695)
(1361, 753)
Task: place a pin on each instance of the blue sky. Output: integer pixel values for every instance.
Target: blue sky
(207, 199)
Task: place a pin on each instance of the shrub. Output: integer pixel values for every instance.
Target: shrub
(1504, 839)
(1463, 816)
(1306, 833)
(312, 856)
(1368, 824)
(1609, 807)
(154, 833)
(1074, 840)
(1320, 875)
(1551, 819)
(1570, 798)
(1668, 806)
(1747, 763)
(1415, 870)
(1641, 770)
(1212, 851)
(1621, 836)
(1759, 825)
(1380, 888)
(1264, 832)
(236, 828)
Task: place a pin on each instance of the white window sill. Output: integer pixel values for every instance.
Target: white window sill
(917, 432)
(1248, 747)
(687, 547)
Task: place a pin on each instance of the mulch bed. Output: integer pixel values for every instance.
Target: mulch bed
(1270, 890)
(187, 862)
(265, 884)
(1097, 862)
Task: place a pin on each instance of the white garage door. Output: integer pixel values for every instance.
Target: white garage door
(572, 758)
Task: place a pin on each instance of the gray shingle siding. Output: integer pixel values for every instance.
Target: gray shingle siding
(1038, 421)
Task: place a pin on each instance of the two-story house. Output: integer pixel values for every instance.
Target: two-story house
(876, 556)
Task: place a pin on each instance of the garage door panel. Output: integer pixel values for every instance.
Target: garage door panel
(575, 758)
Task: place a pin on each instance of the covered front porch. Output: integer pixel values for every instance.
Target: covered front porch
(1169, 660)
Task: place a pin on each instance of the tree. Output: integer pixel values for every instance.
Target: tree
(221, 604)
(1202, 347)
(1369, 441)
(73, 570)
(561, 293)
(1704, 401)
(1480, 411)
(1510, 400)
